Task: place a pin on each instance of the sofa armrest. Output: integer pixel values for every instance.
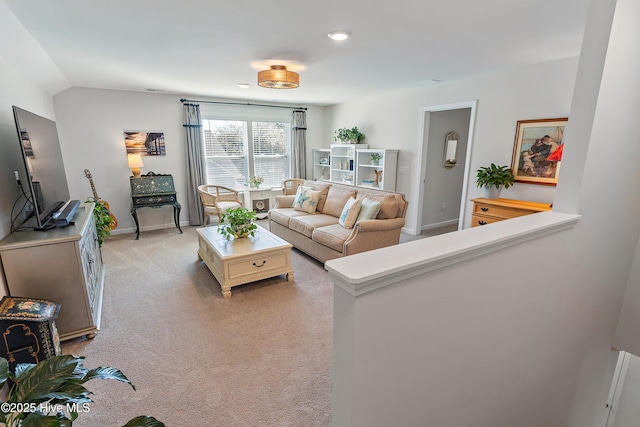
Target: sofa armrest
(380, 224)
(285, 201)
(373, 234)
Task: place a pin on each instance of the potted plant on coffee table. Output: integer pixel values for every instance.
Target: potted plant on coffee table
(237, 223)
(493, 178)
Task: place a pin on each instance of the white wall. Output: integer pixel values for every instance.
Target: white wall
(91, 123)
(393, 120)
(521, 336)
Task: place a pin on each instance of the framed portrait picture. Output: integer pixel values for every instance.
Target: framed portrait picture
(538, 150)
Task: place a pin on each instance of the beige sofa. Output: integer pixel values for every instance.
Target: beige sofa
(320, 235)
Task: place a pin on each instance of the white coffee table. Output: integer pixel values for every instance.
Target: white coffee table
(240, 261)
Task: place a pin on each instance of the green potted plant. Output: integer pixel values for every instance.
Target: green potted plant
(348, 136)
(103, 219)
(51, 393)
(375, 158)
(493, 178)
(237, 223)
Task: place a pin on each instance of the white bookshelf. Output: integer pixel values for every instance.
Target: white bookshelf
(343, 162)
(366, 169)
(322, 163)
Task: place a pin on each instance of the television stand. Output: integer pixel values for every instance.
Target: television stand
(64, 265)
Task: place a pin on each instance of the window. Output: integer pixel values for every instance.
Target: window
(238, 149)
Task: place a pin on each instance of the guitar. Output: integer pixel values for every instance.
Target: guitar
(114, 222)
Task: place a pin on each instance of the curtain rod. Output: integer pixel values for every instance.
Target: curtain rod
(239, 103)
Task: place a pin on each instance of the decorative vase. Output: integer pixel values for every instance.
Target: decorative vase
(240, 231)
(492, 192)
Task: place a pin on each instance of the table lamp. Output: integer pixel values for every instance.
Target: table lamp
(135, 163)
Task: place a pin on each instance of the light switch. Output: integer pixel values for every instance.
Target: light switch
(403, 170)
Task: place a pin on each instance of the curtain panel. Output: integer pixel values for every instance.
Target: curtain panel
(299, 168)
(196, 172)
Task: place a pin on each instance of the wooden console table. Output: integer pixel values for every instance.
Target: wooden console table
(153, 191)
(487, 211)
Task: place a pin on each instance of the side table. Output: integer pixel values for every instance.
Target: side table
(258, 200)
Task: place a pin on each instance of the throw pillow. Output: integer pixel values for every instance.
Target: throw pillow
(350, 213)
(369, 209)
(306, 199)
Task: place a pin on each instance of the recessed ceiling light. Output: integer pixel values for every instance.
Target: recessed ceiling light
(244, 85)
(339, 35)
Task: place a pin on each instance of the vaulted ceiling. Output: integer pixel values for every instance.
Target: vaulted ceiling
(206, 48)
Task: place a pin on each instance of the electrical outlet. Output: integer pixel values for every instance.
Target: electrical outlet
(443, 207)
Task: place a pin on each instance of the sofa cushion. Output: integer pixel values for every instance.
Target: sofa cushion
(336, 199)
(305, 224)
(368, 209)
(306, 199)
(331, 236)
(350, 213)
(388, 204)
(323, 188)
(282, 215)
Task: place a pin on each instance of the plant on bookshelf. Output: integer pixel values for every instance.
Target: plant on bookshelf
(348, 136)
(375, 158)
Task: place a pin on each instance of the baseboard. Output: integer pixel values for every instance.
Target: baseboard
(120, 230)
(439, 224)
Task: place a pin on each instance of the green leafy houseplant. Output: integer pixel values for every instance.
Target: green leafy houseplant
(103, 220)
(345, 135)
(51, 393)
(375, 157)
(237, 223)
(495, 176)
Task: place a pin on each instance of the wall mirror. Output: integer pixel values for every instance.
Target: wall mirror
(450, 150)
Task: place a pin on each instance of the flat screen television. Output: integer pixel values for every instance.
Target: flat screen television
(40, 170)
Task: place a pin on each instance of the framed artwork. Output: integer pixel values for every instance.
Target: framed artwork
(145, 143)
(538, 150)
(324, 160)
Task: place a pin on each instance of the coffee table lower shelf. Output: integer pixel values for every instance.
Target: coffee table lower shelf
(246, 260)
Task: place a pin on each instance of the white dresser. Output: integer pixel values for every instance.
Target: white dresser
(64, 265)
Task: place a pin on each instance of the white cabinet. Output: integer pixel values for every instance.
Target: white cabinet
(62, 265)
(376, 173)
(321, 163)
(343, 161)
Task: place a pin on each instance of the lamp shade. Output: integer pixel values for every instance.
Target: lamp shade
(135, 161)
(278, 77)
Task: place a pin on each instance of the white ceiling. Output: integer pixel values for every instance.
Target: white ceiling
(199, 48)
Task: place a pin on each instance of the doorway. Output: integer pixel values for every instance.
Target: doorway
(442, 190)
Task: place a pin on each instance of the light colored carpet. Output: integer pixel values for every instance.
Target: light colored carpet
(260, 358)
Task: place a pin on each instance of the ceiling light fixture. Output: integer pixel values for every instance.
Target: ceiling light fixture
(244, 85)
(339, 35)
(278, 77)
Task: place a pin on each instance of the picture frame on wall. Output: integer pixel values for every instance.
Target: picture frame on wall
(537, 151)
(145, 143)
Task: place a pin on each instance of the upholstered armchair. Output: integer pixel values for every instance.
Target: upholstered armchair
(216, 199)
(290, 186)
